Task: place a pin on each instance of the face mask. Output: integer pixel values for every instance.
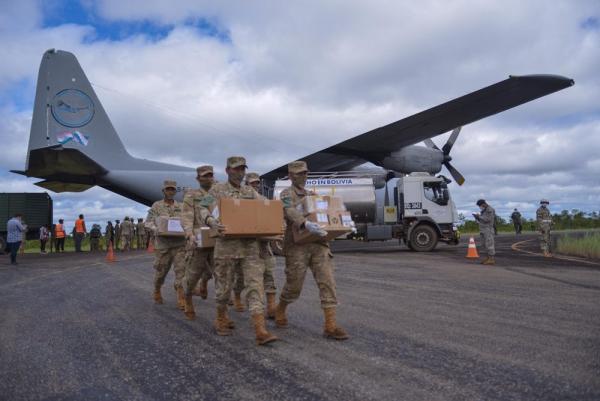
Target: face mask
(299, 181)
(236, 177)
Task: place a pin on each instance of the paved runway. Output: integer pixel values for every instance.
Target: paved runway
(430, 326)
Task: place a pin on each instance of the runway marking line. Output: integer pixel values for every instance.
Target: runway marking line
(515, 247)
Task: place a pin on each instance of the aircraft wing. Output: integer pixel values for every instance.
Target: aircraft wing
(374, 145)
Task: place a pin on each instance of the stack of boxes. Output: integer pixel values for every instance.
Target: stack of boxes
(329, 212)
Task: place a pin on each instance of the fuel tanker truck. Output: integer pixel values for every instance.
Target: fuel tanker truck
(421, 212)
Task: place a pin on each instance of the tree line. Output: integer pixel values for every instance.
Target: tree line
(565, 220)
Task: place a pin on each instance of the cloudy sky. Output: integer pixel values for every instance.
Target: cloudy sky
(191, 82)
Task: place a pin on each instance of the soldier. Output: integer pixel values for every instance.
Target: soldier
(486, 227)
(298, 258)
(95, 235)
(199, 262)
(117, 234)
(266, 256)
(168, 250)
(544, 224)
(140, 232)
(127, 230)
(109, 234)
(232, 252)
(516, 219)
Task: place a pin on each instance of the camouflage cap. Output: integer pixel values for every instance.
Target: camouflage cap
(236, 161)
(299, 166)
(252, 177)
(169, 184)
(203, 170)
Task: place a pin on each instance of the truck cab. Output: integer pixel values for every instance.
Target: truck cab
(426, 211)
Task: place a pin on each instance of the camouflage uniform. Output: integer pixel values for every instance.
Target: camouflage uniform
(199, 262)
(544, 224)
(229, 253)
(167, 250)
(516, 219)
(127, 234)
(486, 228)
(266, 253)
(298, 258)
(140, 231)
(95, 235)
(117, 235)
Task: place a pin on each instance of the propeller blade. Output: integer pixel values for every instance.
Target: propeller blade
(448, 146)
(429, 143)
(455, 174)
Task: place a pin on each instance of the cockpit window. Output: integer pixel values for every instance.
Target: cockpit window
(436, 192)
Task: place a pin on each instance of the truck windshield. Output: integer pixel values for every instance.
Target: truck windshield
(436, 191)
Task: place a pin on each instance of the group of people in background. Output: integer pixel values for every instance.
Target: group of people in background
(487, 218)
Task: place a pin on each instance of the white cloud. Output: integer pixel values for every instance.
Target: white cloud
(295, 78)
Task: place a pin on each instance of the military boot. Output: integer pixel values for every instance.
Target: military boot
(262, 335)
(237, 303)
(489, 261)
(221, 322)
(157, 296)
(271, 305)
(230, 323)
(332, 330)
(180, 298)
(190, 313)
(280, 317)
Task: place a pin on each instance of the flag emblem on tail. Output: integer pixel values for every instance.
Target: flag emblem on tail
(75, 136)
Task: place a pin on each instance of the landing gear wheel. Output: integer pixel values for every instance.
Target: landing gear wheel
(423, 238)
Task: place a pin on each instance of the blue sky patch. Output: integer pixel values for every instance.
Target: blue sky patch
(591, 23)
(74, 12)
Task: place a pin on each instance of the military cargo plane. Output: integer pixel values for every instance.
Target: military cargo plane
(73, 146)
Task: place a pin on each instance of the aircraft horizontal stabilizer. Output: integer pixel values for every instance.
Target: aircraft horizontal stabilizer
(58, 186)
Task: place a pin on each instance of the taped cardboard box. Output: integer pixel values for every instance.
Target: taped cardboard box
(325, 220)
(204, 238)
(251, 217)
(169, 227)
(316, 203)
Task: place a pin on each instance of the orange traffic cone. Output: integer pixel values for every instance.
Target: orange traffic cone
(150, 247)
(472, 252)
(110, 255)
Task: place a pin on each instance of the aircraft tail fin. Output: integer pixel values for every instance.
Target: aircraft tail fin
(70, 129)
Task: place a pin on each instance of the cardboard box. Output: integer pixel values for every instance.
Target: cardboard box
(305, 237)
(169, 227)
(335, 203)
(204, 238)
(251, 217)
(330, 222)
(346, 219)
(316, 203)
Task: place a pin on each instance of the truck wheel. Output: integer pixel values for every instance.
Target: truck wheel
(2, 245)
(277, 247)
(409, 245)
(423, 238)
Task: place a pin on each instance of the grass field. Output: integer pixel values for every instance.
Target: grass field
(587, 246)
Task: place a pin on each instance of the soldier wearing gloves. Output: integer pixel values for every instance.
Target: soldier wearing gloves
(299, 258)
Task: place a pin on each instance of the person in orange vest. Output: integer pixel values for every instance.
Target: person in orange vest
(79, 232)
(60, 235)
